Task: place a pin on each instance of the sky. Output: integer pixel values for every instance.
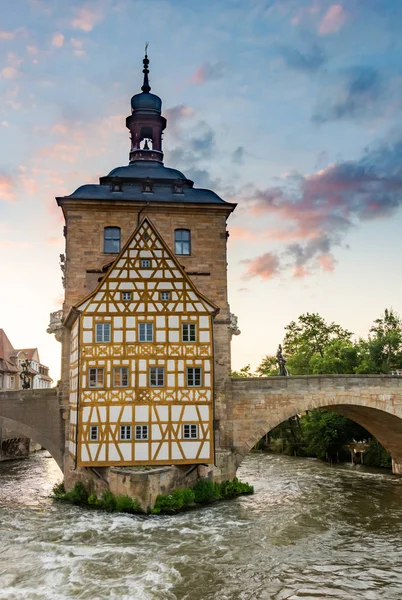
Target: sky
(291, 108)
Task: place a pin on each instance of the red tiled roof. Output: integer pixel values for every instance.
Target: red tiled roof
(29, 352)
(6, 348)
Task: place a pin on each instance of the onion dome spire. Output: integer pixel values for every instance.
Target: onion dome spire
(146, 123)
(145, 86)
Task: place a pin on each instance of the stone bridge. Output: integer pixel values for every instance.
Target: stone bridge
(253, 407)
(38, 415)
(374, 401)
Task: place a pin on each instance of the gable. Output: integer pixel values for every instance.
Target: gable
(145, 282)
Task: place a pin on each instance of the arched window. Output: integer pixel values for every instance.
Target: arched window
(111, 240)
(182, 241)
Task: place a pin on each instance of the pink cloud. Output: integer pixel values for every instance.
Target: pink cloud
(7, 35)
(54, 241)
(299, 272)
(207, 72)
(237, 232)
(9, 73)
(333, 20)
(58, 40)
(86, 17)
(6, 188)
(327, 262)
(264, 266)
(78, 47)
(13, 245)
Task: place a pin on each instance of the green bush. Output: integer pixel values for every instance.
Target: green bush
(377, 456)
(59, 491)
(174, 502)
(127, 505)
(206, 491)
(78, 495)
(93, 500)
(108, 501)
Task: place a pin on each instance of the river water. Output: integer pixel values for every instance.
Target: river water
(310, 531)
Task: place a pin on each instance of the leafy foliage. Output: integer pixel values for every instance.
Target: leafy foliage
(244, 372)
(59, 491)
(204, 492)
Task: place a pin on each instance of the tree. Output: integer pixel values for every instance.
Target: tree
(268, 367)
(244, 372)
(385, 342)
(326, 433)
(310, 336)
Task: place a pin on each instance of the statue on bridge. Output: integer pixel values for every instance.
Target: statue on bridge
(25, 379)
(281, 362)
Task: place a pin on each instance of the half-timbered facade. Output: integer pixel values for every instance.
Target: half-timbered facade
(142, 363)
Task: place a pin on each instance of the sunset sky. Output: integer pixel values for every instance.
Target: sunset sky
(290, 108)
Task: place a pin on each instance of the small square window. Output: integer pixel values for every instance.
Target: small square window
(188, 332)
(126, 296)
(156, 376)
(145, 332)
(190, 432)
(95, 378)
(120, 376)
(164, 295)
(194, 377)
(145, 263)
(141, 432)
(103, 332)
(125, 432)
(93, 433)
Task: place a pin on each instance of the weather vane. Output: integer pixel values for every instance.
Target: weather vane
(146, 47)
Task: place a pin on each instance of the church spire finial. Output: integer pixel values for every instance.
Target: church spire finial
(145, 86)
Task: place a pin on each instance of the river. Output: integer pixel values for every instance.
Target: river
(310, 531)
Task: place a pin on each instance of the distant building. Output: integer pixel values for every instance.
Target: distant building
(12, 363)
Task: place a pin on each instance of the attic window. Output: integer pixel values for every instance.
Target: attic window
(145, 263)
(178, 187)
(116, 187)
(147, 186)
(126, 296)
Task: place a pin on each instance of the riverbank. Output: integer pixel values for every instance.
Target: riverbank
(373, 455)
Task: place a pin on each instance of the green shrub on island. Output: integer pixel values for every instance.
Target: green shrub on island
(108, 501)
(204, 492)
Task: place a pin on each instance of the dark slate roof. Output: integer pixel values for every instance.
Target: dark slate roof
(146, 168)
(127, 184)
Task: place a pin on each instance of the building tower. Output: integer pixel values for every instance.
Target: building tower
(146, 338)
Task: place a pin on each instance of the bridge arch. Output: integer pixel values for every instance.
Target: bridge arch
(373, 401)
(35, 414)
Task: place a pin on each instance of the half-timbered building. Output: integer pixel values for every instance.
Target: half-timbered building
(146, 337)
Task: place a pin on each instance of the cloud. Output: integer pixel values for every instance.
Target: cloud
(78, 47)
(360, 93)
(9, 73)
(7, 35)
(315, 212)
(6, 188)
(333, 20)
(207, 72)
(238, 155)
(86, 17)
(308, 61)
(58, 40)
(265, 266)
